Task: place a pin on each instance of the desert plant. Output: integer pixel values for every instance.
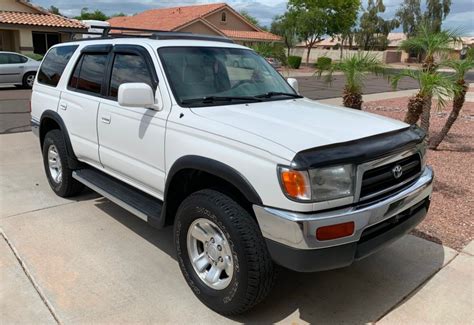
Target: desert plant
(355, 68)
(323, 62)
(431, 84)
(294, 62)
(427, 43)
(460, 68)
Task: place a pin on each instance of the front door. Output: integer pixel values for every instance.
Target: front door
(132, 139)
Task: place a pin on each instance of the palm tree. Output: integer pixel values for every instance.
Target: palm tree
(460, 68)
(430, 44)
(355, 68)
(431, 84)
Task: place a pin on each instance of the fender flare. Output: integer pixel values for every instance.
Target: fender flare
(215, 168)
(49, 114)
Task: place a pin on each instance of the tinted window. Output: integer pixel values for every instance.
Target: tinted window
(7, 58)
(54, 63)
(128, 68)
(3, 58)
(89, 73)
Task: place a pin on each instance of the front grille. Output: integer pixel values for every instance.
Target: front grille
(381, 180)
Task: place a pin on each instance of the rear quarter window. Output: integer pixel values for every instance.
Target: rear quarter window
(54, 64)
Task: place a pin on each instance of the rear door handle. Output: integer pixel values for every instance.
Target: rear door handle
(63, 106)
(105, 119)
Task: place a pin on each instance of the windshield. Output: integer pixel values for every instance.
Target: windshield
(203, 76)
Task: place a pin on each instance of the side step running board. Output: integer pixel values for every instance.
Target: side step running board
(131, 199)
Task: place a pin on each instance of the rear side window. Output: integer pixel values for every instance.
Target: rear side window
(54, 63)
(89, 73)
(128, 68)
(8, 58)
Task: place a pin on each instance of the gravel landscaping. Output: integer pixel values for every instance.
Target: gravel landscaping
(450, 219)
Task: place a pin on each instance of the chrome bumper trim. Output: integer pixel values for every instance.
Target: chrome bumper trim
(298, 230)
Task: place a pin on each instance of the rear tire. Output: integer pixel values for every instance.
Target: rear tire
(251, 269)
(56, 165)
(28, 79)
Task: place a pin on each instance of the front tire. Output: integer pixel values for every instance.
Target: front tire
(221, 253)
(56, 165)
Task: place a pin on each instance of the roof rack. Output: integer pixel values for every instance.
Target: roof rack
(111, 32)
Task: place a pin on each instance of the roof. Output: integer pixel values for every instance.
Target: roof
(245, 35)
(172, 19)
(166, 18)
(38, 19)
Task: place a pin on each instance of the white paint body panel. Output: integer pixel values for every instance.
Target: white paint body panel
(140, 146)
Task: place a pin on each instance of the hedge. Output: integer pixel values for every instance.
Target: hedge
(294, 62)
(323, 62)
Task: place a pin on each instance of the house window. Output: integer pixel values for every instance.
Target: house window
(223, 17)
(43, 41)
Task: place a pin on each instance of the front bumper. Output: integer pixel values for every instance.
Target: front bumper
(291, 236)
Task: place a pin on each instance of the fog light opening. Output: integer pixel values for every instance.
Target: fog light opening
(335, 231)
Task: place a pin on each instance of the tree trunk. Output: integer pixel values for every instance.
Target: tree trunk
(415, 107)
(425, 115)
(458, 103)
(307, 53)
(352, 99)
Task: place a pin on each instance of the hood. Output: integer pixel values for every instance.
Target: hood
(300, 124)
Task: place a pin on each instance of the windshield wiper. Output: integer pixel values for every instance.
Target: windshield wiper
(212, 99)
(277, 93)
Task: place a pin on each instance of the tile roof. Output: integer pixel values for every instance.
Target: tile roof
(38, 19)
(166, 18)
(250, 35)
(177, 17)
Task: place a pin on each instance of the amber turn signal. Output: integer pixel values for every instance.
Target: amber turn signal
(296, 183)
(335, 231)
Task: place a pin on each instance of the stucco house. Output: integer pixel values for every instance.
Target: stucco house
(26, 28)
(211, 19)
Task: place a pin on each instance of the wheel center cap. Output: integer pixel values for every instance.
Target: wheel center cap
(213, 252)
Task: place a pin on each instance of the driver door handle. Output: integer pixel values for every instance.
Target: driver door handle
(105, 119)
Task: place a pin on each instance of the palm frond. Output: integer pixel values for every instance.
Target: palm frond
(355, 67)
(460, 67)
(430, 43)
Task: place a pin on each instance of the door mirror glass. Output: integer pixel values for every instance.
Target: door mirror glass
(293, 83)
(136, 94)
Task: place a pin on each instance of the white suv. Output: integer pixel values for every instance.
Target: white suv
(249, 172)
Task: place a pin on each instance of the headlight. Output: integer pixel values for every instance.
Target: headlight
(331, 183)
(320, 184)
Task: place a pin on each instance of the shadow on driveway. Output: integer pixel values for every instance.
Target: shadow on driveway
(358, 294)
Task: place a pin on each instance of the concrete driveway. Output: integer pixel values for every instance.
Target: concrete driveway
(14, 109)
(87, 260)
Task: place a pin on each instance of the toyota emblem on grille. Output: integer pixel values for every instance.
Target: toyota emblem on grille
(397, 171)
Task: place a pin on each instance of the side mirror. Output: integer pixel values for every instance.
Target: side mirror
(293, 83)
(136, 94)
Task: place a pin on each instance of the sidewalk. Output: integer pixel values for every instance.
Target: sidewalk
(87, 260)
(447, 298)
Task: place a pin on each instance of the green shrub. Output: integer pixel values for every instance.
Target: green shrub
(271, 50)
(323, 62)
(34, 56)
(294, 62)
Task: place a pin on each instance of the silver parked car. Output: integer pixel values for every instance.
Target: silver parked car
(17, 69)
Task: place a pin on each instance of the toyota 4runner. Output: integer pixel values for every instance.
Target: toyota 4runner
(248, 172)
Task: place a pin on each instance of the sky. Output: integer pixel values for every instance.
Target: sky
(461, 15)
